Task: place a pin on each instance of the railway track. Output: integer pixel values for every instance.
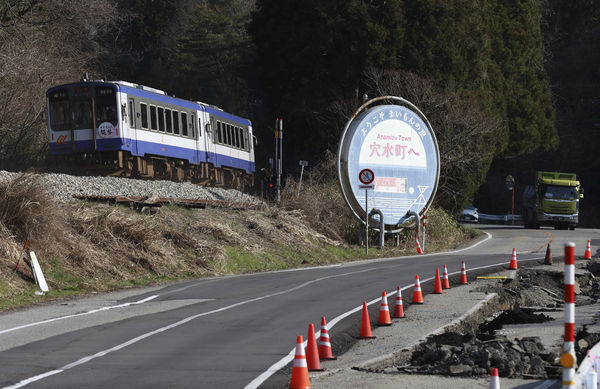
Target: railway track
(141, 202)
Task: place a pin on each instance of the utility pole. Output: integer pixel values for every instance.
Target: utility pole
(278, 154)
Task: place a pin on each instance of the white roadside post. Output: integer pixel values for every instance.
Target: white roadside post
(567, 359)
(303, 164)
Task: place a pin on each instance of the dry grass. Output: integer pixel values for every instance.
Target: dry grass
(86, 247)
(320, 201)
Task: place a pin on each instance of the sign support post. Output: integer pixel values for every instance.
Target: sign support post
(278, 154)
(366, 177)
(367, 221)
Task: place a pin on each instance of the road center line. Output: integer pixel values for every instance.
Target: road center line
(78, 314)
(171, 326)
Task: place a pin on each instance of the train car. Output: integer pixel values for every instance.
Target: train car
(139, 131)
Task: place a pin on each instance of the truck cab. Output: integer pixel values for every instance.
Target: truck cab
(553, 200)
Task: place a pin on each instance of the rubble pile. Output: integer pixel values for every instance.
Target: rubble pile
(468, 353)
(525, 357)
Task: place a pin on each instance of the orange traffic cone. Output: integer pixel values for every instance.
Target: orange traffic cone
(398, 307)
(365, 325)
(548, 258)
(445, 280)
(417, 294)
(437, 284)
(300, 378)
(384, 312)
(325, 352)
(513, 260)
(312, 351)
(495, 379)
(419, 250)
(463, 274)
(588, 251)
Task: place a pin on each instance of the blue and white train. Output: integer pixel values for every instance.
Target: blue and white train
(143, 132)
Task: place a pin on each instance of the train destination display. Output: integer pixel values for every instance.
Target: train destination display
(392, 138)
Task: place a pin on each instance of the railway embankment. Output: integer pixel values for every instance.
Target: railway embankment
(96, 234)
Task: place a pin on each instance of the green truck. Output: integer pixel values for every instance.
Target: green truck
(552, 201)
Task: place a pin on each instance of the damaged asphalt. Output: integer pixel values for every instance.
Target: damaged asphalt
(513, 324)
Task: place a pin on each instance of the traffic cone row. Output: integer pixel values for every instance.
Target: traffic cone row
(311, 360)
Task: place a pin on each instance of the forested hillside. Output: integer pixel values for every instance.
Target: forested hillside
(495, 78)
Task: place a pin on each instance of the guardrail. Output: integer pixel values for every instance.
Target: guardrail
(500, 218)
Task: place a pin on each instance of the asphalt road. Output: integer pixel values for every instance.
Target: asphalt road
(226, 332)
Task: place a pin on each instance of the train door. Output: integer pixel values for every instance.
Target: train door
(132, 125)
(210, 126)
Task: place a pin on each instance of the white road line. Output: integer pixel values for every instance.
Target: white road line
(78, 314)
(546, 384)
(289, 357)
(171, 326)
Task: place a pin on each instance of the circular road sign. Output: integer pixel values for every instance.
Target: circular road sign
(393, 138)
(366, 176)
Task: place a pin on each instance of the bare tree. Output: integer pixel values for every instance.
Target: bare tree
(43, 43)
(463, 131)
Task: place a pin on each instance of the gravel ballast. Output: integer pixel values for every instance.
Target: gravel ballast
(63, 187)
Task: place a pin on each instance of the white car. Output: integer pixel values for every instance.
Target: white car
(469, 215)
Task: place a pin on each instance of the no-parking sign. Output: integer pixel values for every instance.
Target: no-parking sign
(366, 176)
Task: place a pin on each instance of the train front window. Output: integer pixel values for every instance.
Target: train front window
(59, 108)
(82, 114)
(106, 105)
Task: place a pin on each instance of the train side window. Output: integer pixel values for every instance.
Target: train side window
(161, 120)
(169, 121)
(144, 112)
(230, 134)
(238, 133)
(193, 127)
(242, 134)
(227, 134)
(219, 133)
(131, 113)
(176, 122)
(184, 124)
(153, 118)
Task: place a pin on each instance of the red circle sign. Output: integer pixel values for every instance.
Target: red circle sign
(366, 176)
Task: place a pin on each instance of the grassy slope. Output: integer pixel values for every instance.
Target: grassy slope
(85, 247)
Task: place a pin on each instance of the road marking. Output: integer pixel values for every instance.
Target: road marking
(546, 384)
(171, 326)
(78, 314)
(545, 244)
(289, 357)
